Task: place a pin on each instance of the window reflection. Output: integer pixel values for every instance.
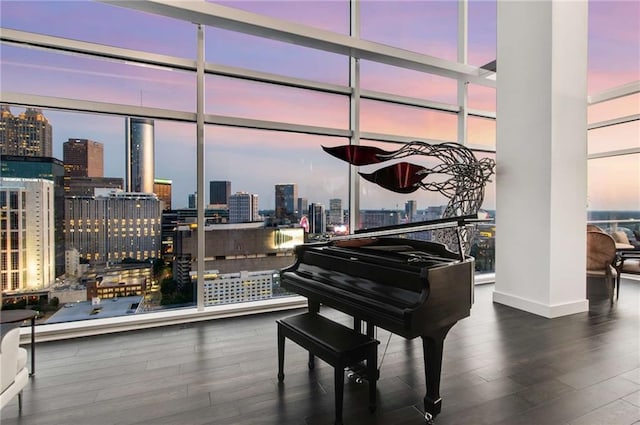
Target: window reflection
(47, 73)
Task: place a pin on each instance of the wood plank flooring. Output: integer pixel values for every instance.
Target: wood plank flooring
(501, 367)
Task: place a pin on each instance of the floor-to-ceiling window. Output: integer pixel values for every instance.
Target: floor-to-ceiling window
(614, 117)
(275, 92)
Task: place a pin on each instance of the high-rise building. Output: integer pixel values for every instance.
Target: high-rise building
(114, 225)
(410, 210)
(434, 212)
(86, 186)
(243, 208)
(83, 158)
(302, 206)
(286, 201)
(162, 189)
(378, 218)
(140, 151)
(335, 211)
(317, 218)
(193, 200)
(244, 286)
(27, 248)
(40, 167)
(219, 192)
(28, 134)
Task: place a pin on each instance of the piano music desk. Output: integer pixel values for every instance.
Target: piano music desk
(335, 344)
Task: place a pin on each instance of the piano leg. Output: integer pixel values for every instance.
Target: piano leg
(359, 372)
(432, 346)
(280, 355)
(314, 306)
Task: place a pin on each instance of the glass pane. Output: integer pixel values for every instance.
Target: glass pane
(47, 73)
(615, 137)
(614, 49)
(428, 27)
(258, 54)
(613, 183)
(383, 117)
(481, 97)
(85, 20)
(247, 99)
(254, 161)
(616, 108)
(405, 82)
(481, 132)
(482, 31)
(328, 15)
(275, 181)
(131, 238)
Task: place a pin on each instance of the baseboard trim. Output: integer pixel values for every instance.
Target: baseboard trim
(548, 311)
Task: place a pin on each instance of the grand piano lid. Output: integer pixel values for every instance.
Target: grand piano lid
(420, 226)
(457, 222)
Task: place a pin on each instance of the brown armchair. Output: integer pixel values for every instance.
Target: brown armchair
(594, 228)
(628, 262)
(601, 258)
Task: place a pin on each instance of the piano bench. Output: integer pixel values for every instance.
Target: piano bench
(334, 343)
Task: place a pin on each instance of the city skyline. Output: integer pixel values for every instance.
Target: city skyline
(232, 153)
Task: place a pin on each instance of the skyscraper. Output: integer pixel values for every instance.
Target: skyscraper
(335, 211)
(140, 172)
(83, 158)
(317, 219)
(219, 192)
(27, 247)
(162, 189)
(410, 209)
(303, 206)
(193, 200)
(243, 208)
(286, 201)
(33, 167)
(113, 225)
(28, 134)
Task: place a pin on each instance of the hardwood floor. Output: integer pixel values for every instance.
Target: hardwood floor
(501, 367)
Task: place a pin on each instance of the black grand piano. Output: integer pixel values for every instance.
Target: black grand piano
(409, 287)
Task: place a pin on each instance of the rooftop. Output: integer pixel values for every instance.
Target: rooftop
(111, 307)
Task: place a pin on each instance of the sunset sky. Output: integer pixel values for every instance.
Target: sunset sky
(254, 161)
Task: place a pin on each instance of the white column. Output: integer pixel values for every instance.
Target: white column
(541, 156)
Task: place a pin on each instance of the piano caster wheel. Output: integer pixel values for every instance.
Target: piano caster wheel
(428, 417)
